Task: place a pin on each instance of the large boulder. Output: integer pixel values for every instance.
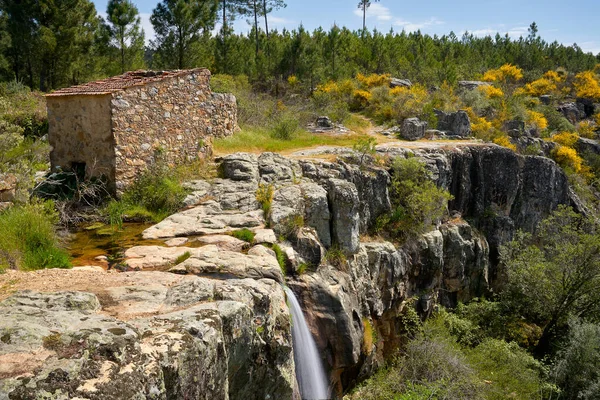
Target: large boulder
(162, 336)
(454, 124)
(396, 82)
(571, 112)
(344, 201)
(413, 129)
(240, 167)
(471, 85)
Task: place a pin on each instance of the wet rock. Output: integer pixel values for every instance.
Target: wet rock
(176, 242)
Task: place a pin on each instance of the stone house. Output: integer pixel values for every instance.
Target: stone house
(115, 128)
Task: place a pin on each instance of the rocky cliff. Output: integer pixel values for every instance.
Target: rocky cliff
(217, 325)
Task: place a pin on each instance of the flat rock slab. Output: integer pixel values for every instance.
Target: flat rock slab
(206, 219)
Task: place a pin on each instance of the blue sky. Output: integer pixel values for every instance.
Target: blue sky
(565, 22)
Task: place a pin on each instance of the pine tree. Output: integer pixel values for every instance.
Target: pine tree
(364, 5)
(125, 33)
(179, 26)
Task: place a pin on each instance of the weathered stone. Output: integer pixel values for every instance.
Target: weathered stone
(240, 167)
(264, 236)
(223, 242)
(316, 211)
(471, 85)
(287, 205)
(176, 242)
(324, 122)
(457, 123)
(546, 99)
(514, 128)
(413, 129)
(206, 219)
(571, 112)
(308, 246)
(396, 82)
(277, 170)
(344, 201)
(121, 130)
(179, 337)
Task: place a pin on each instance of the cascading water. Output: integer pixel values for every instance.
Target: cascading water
(309, 370)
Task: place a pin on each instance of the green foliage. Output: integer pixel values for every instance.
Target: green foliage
(281, 257)
(264, 195)
(291, 225)
(182, 257)
(28, 239)
(554, 274)
(285, 127)
(179, 26)
(365, 147)
(336, 257)
(436, 365)
(125, 36)
(417, 202)
(577, 367)
(244, 234)
(154, 195)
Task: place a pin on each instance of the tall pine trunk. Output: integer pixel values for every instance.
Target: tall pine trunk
(256, 27)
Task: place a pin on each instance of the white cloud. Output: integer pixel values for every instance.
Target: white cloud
(514, 32)
(590, 47)
(273, 20)
(376, 10)
(410, 26)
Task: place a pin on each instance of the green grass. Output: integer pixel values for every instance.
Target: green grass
(28, 239)
(182, 257)
(260, 140)
(244, 234)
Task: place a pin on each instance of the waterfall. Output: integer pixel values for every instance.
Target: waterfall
(309, 370)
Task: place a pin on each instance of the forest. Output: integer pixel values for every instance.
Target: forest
(534, 334)
(50, 44)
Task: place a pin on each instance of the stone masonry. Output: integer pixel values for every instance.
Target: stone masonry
(120, 126)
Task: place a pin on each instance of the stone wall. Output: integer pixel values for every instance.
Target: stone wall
(174, 119)
(80, 132)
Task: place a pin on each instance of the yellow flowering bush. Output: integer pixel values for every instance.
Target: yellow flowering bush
(567, 139)
(328, 87)
(554, 76)
(373, 80)
(409, 102)
(536, 120)
(491, 92)
(361, 98)
(505, 142)
(587, 85)
(505, 73)
(537, 88)
(587, 129)
(293, 80)
(398, 90)
(567, 157)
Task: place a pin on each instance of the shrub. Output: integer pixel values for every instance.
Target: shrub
(491, 92)
(28, 239)
(587, 129)
(373, 80)
(568, 158)
(244, 234)
(568, 139)
(369, 337)
(536, 120)
(416, 201)
(281, 257)
(556, 120)
(154, 195)
(576, 368)
(587, 85)
(336, 257)
(506, 73)
(285, 127)
(504, 141)
(264, 195)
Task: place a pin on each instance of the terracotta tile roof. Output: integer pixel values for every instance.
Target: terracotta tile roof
(127, 80)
